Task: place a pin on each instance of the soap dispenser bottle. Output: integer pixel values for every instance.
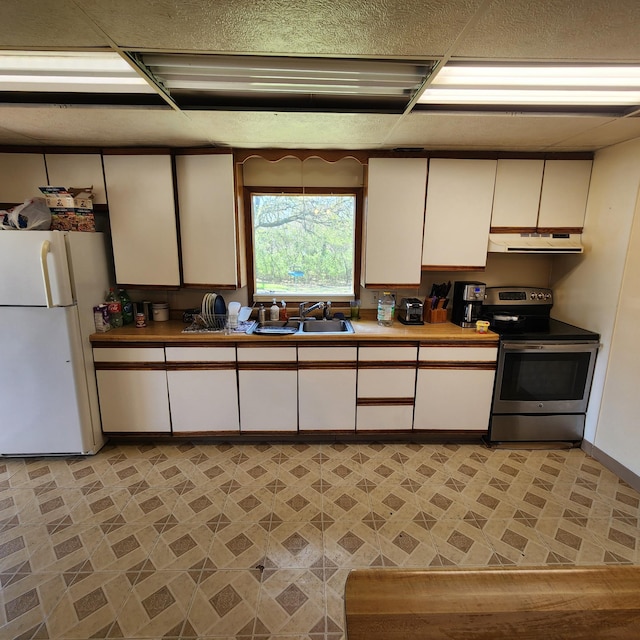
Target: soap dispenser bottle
(262, 314)
(274, 312)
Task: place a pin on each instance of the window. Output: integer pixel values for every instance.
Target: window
(304, 244)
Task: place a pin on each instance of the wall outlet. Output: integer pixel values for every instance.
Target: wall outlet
(373, 298)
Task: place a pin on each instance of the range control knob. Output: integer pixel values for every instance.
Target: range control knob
(533, 296)
(540, 296)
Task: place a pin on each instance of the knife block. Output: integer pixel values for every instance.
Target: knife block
(435, 316)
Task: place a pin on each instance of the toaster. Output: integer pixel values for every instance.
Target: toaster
(411, 311)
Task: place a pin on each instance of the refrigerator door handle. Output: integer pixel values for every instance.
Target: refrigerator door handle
(44, 250)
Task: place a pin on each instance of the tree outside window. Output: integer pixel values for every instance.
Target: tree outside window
(303, 244)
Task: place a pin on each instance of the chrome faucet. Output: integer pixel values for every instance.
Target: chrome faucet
(304, 312)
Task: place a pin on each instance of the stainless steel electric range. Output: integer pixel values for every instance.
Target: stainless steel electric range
(544, 372)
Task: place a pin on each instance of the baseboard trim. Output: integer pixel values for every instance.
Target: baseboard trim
(631, 478)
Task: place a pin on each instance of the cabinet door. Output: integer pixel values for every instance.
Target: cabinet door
(133, 400)
(394, 221)
(206, 205)
(142, 218)
(268, 387)
(268, 400)
(203, 388)
(77, 170)
(203, 400)
(458, 213)
(327, 388)
(327, 399)
(453, 399)
(21, 176)
(565, 187)
(517, 194)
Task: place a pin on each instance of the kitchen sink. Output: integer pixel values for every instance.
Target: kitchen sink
(275, 328)
(327, 326)
(301, 327)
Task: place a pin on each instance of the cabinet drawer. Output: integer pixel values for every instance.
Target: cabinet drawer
(200, 354)
(386, 383)
(388, 354)
(384, 418)
(267, 354)
(128, 354)
(458, 354)
(327, 354)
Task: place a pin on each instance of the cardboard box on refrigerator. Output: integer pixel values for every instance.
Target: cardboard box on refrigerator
(71, 208)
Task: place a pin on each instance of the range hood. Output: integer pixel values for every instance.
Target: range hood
(535, 243)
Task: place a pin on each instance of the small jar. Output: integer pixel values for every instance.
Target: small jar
(160, 311)
(482, 326)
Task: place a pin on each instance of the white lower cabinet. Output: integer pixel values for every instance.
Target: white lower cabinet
(327, 388)
(203, 389)
(271, 387)
(454, 388)
(386, 387)
(132, 387)
(268, 388)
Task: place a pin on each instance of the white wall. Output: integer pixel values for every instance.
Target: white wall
(502, 270)
(617, 434)
(587, 287)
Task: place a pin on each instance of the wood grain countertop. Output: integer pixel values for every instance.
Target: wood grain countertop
(486, 603)
(366, 329)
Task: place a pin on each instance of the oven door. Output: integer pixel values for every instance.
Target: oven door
(538, 377)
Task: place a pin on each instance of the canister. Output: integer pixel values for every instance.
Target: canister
(160, 311)
(482, 326)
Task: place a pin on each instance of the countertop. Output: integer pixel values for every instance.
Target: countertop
(366, 329)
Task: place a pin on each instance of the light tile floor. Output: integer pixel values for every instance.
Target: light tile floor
(256, 541)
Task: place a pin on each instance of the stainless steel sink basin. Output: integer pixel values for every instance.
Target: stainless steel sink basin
(327, 326)
(301, 328)
(275, 328)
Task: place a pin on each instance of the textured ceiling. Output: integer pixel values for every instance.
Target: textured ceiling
(559, 30)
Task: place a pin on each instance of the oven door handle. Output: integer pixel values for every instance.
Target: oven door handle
(557, 347)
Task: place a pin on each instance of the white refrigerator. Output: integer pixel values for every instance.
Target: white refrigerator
(49, 284)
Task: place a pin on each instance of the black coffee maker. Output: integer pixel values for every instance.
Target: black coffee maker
(468, 297)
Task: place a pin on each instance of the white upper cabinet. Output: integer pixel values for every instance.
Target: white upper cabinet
(517, 194)
(21, 176)
(77, 170)
(540, 194)
(207, 213)
(142, 218)
(565, 187)
(458, 213)
(394, 221)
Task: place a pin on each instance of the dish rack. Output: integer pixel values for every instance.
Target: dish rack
(213, 321)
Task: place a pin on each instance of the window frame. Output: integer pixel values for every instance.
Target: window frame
(247, 194)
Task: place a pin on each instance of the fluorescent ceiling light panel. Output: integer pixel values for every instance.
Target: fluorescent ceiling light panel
(536, 85)
(282, 75)
(75, 72)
